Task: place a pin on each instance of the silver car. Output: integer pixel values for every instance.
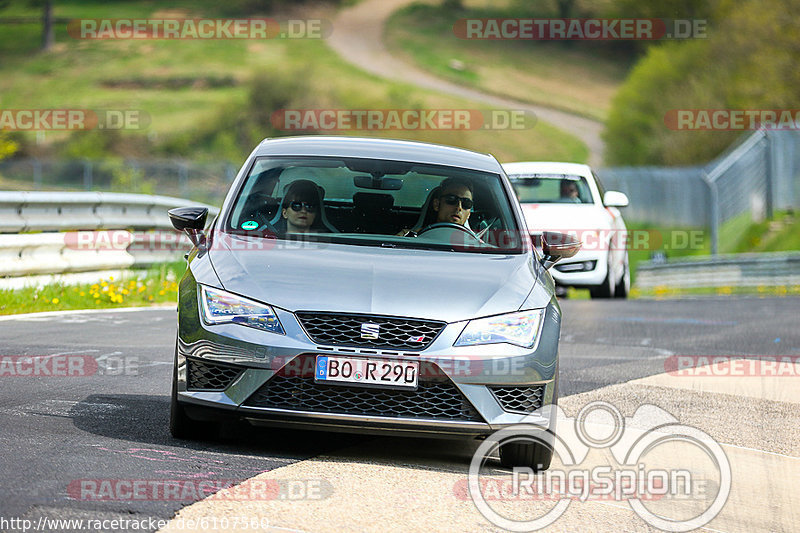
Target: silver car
(368, 285)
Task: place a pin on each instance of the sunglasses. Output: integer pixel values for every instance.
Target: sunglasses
(298, 206)
(452, 199)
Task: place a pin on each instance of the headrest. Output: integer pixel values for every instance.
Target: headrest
(370, 201)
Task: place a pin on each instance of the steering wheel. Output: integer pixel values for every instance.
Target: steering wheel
(451, 225)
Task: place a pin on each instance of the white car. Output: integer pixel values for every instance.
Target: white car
(568, 198)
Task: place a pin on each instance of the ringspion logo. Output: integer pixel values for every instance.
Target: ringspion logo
(647, 458)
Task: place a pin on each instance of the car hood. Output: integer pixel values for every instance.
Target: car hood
(566, 217)
(435, 285)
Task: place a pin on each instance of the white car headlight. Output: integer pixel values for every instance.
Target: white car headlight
(519, 328)
(220, 307)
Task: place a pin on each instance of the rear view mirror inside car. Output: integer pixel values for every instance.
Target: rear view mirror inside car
(378, 183)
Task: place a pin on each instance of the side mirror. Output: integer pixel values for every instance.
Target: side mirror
(556, 246)
(192, 220)
(615, 199)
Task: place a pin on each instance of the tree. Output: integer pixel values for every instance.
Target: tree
(48, 35)
(748, 61)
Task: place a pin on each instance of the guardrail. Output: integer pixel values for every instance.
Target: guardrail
(67, 232)
(742, 270)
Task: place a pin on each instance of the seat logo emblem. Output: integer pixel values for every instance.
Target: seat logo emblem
(370, 330)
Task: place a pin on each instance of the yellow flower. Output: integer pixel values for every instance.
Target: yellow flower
(124, 291)
(55, 300)
(104, 284)
(111, 278)
(161, 293)
(82, 293)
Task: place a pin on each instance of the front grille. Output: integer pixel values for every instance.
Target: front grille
(204, 375)
(519, 399)
(346, 330)
(435, 398)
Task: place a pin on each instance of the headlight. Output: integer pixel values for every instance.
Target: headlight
(514, 328)
(220, 307)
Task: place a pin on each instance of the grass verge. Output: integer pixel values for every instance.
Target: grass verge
(575, 77)
(157, 77)
(158, 284)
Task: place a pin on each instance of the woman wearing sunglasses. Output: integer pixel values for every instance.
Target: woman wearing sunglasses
(301, 205)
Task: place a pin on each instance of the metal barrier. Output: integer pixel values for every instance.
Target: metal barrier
(755, 176)
(740, 270)
(81, 232)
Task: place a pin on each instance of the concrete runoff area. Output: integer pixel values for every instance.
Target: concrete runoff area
(390, 484)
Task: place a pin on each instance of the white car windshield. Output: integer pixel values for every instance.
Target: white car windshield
(551, 189)
(376, 203)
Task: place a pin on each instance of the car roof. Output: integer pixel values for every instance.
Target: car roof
(365, 147)
(547, 167)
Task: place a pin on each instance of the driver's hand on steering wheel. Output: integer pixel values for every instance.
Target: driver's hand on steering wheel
(407, 232)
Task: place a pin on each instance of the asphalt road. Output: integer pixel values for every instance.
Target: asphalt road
(112, 424)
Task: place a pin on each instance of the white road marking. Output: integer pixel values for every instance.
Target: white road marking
(48, 314)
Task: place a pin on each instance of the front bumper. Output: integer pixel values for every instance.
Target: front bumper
(592, 277)
(476, 379)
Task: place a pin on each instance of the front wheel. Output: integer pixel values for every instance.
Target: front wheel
(180, 425)
(607, 288)
(536, 456)
(623, 288)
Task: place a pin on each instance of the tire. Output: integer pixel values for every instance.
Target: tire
(607, 288)
(536, 456)
(623, 288)
(180, 425)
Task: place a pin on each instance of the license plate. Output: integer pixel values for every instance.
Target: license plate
(371, 372)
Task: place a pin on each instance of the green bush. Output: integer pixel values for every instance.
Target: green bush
(748, 61)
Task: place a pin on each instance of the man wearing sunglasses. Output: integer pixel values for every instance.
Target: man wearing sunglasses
(454, 201)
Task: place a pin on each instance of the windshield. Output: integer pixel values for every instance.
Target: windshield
(551, 189)
(375, 202)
